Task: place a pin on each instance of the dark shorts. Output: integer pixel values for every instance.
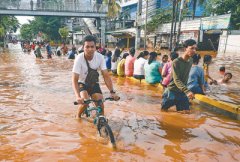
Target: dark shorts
(139, 76)
(171, 98)
(91, 90)
(49, 56)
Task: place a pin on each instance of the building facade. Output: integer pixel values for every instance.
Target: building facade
(149, 8)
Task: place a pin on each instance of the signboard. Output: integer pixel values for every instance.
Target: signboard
(189, 35)
(215, 22)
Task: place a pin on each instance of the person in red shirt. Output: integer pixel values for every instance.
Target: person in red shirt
(129, 63)
(33, 46)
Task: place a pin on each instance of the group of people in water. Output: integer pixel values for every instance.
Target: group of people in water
(37, 47)
(181, 76)
(147, 66)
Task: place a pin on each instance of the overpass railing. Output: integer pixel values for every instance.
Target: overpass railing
(55, 6)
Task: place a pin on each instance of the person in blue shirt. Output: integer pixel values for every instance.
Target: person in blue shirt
(108, 59)
(153, 69)
(71, 54)
(196, 77)
(49, 51)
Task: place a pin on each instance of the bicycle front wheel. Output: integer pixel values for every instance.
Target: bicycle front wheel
(105, 132)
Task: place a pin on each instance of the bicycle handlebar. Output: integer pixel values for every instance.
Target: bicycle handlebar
(90, 100)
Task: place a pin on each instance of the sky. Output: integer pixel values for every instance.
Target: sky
(23, 20)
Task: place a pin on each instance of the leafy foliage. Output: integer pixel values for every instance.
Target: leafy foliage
(26, 32)
(45, 24)
(2, 32)
(162, 16)
(113, 8)
(63, 32)
(220, 7)
(9, 23)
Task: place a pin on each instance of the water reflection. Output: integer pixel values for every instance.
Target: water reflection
(37, 120)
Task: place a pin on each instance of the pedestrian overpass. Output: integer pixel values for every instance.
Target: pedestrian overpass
(78, 8)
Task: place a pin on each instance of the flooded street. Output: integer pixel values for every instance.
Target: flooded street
(226, 92)
(37, 120)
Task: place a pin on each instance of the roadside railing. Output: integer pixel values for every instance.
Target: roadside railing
(55, 6)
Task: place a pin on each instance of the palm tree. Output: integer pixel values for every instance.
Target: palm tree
(2, 32)
(123, 16)
(113, 7)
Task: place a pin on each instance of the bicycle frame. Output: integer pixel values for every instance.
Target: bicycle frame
(100, 120)
(98, 109)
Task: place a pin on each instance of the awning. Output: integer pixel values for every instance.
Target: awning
(213, 31)
(128, 3)
(125, 33)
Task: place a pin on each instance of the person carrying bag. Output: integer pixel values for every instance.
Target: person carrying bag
(92, 76)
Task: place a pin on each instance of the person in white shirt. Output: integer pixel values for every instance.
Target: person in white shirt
(115, 60)
(138, 72)
(86, 63)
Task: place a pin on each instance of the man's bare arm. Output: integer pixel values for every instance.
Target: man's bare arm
(107, 79)
(75, 77)
(108, 82)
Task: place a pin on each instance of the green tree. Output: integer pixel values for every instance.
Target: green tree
(9, 23)
(47, 25)
(26, 32)
(63, 32)
(220, 7)
(2, 32)
(162, 16)
(113, 8)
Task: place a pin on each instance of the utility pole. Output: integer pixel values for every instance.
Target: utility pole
(145, 30)
(175, 25)
(180, 21)
(173, 18)
(138, 27)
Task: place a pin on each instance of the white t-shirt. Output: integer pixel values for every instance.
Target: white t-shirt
(139, 66)
(115, 64)
(80, 65)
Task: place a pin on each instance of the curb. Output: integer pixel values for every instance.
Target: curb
(220, 107)
(224, 108)
(143, 82)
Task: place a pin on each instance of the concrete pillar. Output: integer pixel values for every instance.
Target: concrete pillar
(138, 25)
(128, 43)
(103, 29)
(138, 38)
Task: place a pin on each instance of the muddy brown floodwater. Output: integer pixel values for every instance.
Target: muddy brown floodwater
(37, 120)
(226, 92)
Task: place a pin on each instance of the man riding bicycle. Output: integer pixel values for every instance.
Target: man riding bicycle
(85, 76)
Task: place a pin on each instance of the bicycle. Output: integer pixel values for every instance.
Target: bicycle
(100, 121)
